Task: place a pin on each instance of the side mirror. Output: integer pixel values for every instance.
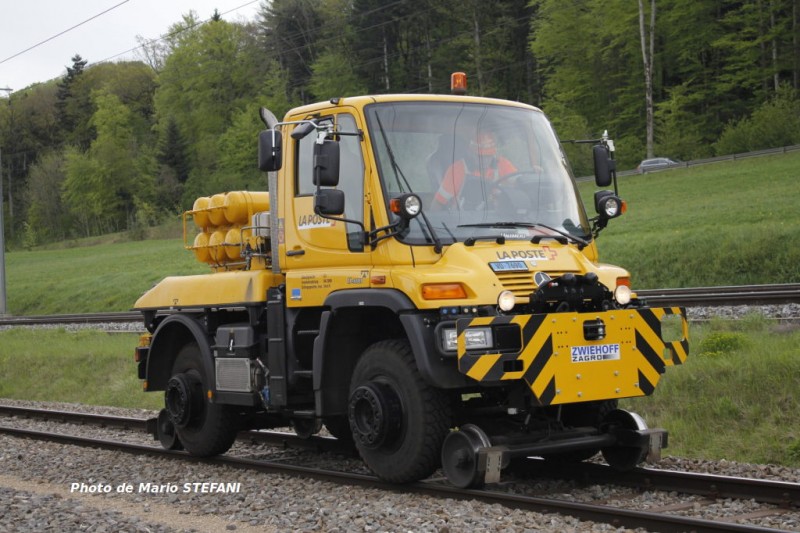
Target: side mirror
(603, 165)
(326, 164)
(329, 202)
(270, 150)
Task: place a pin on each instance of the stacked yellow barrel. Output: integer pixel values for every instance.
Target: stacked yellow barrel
(220, 219)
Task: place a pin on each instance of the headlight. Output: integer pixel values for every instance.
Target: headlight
(474, 339)
(450, 340)
(622, 294)
(478, 338)
(506, 301)
(611, 207)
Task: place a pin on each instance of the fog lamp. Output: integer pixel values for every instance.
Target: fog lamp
(506, 301)
(622, 294)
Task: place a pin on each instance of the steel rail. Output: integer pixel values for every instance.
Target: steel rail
(78, 318)
(780, 493)
(724, 295)
(598, 513)
(275, 438)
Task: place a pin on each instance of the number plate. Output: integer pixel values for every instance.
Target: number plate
(509, 266)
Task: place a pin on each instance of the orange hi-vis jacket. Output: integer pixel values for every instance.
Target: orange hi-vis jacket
(454, 177)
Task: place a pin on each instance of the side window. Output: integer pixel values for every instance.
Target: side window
(351, 171)
(351, 174)
(304, 185)
(351, 180)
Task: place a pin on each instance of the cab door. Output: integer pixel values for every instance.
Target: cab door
(323, 255)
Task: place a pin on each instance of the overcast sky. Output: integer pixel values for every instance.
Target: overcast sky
(25, 23)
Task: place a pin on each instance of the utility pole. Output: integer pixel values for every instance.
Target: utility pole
(2, 237)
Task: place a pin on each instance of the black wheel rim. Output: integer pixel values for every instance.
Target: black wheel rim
(375, 414)
(183, 399)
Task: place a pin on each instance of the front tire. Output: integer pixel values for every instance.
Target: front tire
(397, 420)
(204, 428)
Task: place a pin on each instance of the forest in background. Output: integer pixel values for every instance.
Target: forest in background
(120, 146)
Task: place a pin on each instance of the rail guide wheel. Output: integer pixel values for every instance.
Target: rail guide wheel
(305, 428)
(165, 431)
(460, 456)
(624, 457)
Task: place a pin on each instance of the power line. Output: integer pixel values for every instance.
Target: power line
(63, 32)
(174, 33)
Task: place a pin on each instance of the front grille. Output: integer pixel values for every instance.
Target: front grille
(522, 284)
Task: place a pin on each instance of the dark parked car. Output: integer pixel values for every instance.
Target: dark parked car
(657, 163)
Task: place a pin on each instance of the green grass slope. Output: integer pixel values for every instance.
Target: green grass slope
(105, 277)
(728, 223)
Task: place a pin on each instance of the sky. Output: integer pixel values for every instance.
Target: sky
(97, 37)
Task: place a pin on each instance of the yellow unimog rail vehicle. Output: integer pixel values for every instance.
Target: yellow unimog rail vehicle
(422, 279)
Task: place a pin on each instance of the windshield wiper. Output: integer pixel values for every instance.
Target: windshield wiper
(568, 237)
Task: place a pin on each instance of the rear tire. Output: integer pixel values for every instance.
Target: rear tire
(398, 421)
(204, 428)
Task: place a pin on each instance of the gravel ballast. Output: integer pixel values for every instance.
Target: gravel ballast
(48, 486)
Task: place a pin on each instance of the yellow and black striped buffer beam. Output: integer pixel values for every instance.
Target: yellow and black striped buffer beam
(577, 357)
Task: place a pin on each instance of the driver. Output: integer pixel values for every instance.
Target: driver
(482, 162)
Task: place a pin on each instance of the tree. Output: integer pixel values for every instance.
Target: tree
(679, 133)
(593, 75)
(774, 123)
(688, 70)
(47, 218)
(173, 150)
(333, 71)
(648, 53)
(102, 184)
(333, 76)
(210, 75)
(74, 105)
(290, 29)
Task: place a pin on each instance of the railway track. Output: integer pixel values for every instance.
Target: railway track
(775, 498)
(689, 297)
(725, 295)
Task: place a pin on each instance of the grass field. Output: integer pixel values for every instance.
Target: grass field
(728, 223)
(721, 224)
(106, 277)
(86, 366)
(736, 396)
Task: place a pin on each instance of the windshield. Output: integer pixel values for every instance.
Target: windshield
(481, 170)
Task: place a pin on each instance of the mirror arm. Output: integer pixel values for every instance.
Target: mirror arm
(342, 219)
(391, 230)
(599, 223)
